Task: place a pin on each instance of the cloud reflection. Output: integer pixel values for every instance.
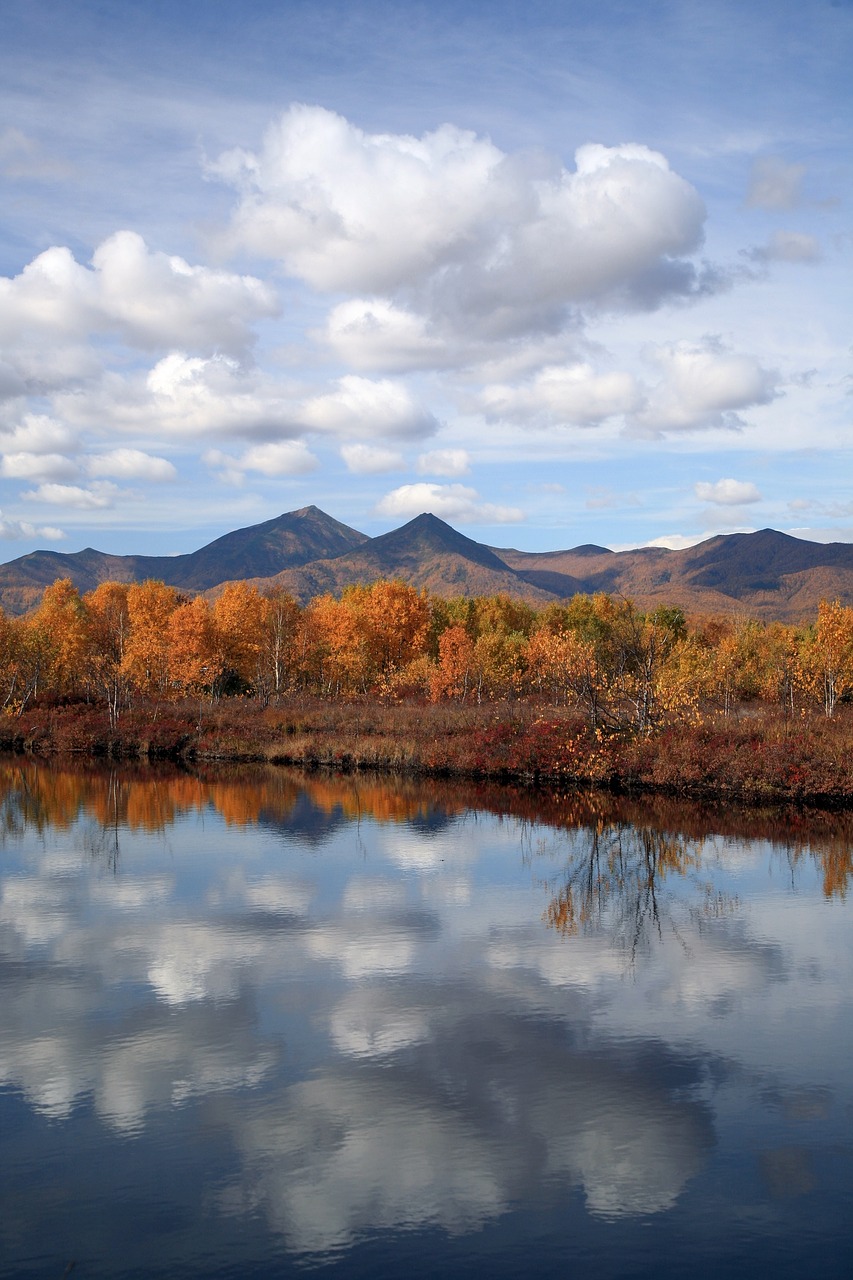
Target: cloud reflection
(456, 1058)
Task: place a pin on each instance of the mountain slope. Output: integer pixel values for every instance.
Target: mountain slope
(259, 551)
(306, 552)
(767, 574)
(427, 553)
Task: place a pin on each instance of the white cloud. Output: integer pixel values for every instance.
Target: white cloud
(37, 466)
(788, 246)
(374, 334)
(195, 397)
(445, 462)
(702, 387)
(570, 394)
(370, 460)
(278, 458)
(448, 501)
(37, 433)
(152, 300)
(363, 407)
(131, 464)
(507, 241)
(774, 184)
(100, 495)
(15, 530)
(670, 541)
(189, 397)
(727, 493)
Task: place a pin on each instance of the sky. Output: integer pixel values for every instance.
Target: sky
(559, 272)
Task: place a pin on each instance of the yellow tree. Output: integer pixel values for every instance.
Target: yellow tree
(643, 646)
(109, 628)
(828, 654)
(565, 663)
(22, 660)
(780, 668)
(239, 620)
(279, 641)
(60, 627)
(335, 642)
(150, 605)
(500, 662)
(194, 661)
(396, 620)
(451, 677)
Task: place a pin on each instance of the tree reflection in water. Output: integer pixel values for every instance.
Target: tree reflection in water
(629, 880)
(628, 856)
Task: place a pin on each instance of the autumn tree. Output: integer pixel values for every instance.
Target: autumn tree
(150, 605)
(59, 628)
(395, 619)
(22, 660)
(452, 674)
(108, 632)
(194, 657)
(564, 663)
(239, 620)
(828, 654)
(279, 642)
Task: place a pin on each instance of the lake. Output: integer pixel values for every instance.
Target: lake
(258, 1023)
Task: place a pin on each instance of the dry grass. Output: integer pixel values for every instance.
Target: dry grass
(762, 756)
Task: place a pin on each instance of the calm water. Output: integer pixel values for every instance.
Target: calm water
(256, 1024)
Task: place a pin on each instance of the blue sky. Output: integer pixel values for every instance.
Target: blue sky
(558, 272)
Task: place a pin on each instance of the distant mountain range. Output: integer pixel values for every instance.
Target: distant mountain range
(765, 574)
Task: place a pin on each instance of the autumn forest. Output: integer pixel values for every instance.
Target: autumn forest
(592, 689)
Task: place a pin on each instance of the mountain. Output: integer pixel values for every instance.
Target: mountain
(765, 574)
(426, 552)
(259, 551)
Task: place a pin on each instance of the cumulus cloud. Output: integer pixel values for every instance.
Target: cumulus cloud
(278, 458)
(448, 501)
(670, 541)
(195, 397)
(149, 299)
(15, 530)
(702, 387)
(370, 460)
(374, 334)
(37, 466)
(774, 184)
(727, 493)
(571, 394)
(100, 495)
(38, 365)
(38, 433)
(788, 246)
(364, 407)
(445, 462)
(131, 464)
(480, 236)
(189, 397)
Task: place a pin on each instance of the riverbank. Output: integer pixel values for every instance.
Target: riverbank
(760, 756)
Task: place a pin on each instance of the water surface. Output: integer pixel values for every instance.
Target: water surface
(258, 1023)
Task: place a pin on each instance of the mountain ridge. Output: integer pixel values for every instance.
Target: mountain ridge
(307, 552)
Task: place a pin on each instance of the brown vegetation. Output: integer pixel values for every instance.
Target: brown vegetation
(388, 677)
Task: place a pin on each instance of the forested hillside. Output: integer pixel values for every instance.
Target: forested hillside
(618, 664)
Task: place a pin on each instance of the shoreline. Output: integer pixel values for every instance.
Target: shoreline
(759, 758)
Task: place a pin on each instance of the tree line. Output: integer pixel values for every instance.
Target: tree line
(620, 665)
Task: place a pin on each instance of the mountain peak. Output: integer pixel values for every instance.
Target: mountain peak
(426, 534)
(308, 552)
